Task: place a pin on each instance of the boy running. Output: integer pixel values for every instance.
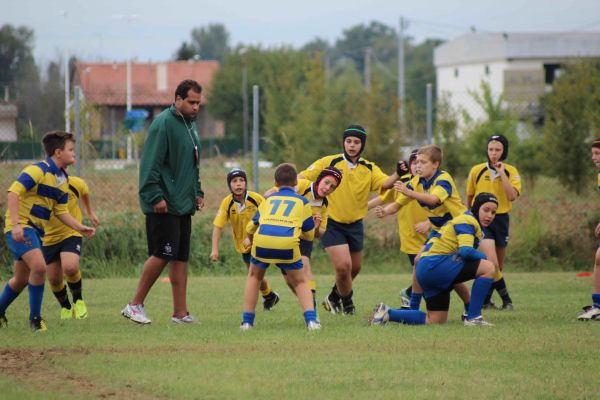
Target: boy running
(39, 191)
(62, 249)
(238, 208)
(275, 231)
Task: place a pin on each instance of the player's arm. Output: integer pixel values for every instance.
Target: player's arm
(401, 170)
(389, 209)
(216, 237)
(426, 198)
(87, 204)
(465, 236)
(155, 151)
(308, 225)
(423, 227)
(511, 192)
(13, 208)
(72, 223)
(374, 202)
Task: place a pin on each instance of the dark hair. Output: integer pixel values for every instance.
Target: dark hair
(286, 175)
(55, 140)
(185, 86)
(596, 143)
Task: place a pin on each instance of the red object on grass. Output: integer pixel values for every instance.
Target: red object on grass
(585, 274)
(166, 279)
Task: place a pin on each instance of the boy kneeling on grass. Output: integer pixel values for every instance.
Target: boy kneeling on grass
(275, 232)
(450, 257)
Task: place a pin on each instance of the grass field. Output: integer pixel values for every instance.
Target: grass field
(539, 350)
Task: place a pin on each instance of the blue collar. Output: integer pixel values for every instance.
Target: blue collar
(287, 188)
(427, 183)
(53, 168)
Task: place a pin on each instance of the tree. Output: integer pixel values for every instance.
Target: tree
(207, 43)
(571, 117)
(16, 54)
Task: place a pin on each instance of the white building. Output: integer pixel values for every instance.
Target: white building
(522, 66)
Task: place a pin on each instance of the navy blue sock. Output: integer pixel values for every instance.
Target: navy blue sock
(480, 289)
(415, 300)
(36, 295)
(500, 287)
(248, 318)
(8, 296)
(596, 300)
(310, 315)
(409, 290)
(409, 317)
(467, 307)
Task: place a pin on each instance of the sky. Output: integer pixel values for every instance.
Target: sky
(152, 30)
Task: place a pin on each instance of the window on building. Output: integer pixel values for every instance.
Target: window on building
(551, 72)
(456, 72)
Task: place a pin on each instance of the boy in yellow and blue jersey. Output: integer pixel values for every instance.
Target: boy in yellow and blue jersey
(436, 193)
(413, 220)
(316, 193)
(344, 237)
(61, 247)
(503, 180)
(593, 312)
(39, 191)
(449, 258)
(275, 231)
(238, 208)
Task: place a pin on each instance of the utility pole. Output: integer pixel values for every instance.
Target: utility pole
(401, 73)
(243, 56)
(67, 94)
(429, 97)
(368, 70)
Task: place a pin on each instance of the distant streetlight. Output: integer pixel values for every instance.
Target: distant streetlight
(243, 57)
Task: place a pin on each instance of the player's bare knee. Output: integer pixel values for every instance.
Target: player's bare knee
(486, 269)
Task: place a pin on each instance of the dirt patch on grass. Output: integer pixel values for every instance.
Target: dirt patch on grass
(37, 370)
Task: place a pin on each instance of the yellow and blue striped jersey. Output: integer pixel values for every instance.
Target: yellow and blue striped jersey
(318, 206)
(349, 202)
(482, 178)
(462, 231)
(412, 213)
(238, 215)
(56, 231)
(281, 220)
(442, 186)
(42, 190)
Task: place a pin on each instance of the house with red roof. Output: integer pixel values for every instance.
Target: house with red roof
(152, 89)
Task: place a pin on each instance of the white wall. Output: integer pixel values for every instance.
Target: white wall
(8, 130)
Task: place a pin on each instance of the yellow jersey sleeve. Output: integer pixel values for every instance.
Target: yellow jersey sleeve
(377, 179)
(442, 188)
(515, 178)
(221, 218)
(307, 214)
(29, 177)
(471, 181)
(312, 172)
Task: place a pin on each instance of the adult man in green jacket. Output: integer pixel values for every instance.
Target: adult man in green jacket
(170, 194)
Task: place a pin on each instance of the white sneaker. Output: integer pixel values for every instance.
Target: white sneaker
(589, 314)
(246, 327)
(187, 319)
(380, 315)
(136, 313)
(404, 300)
(477, 321)
(313, 326)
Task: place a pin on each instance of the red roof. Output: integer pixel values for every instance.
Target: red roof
(152, 84)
